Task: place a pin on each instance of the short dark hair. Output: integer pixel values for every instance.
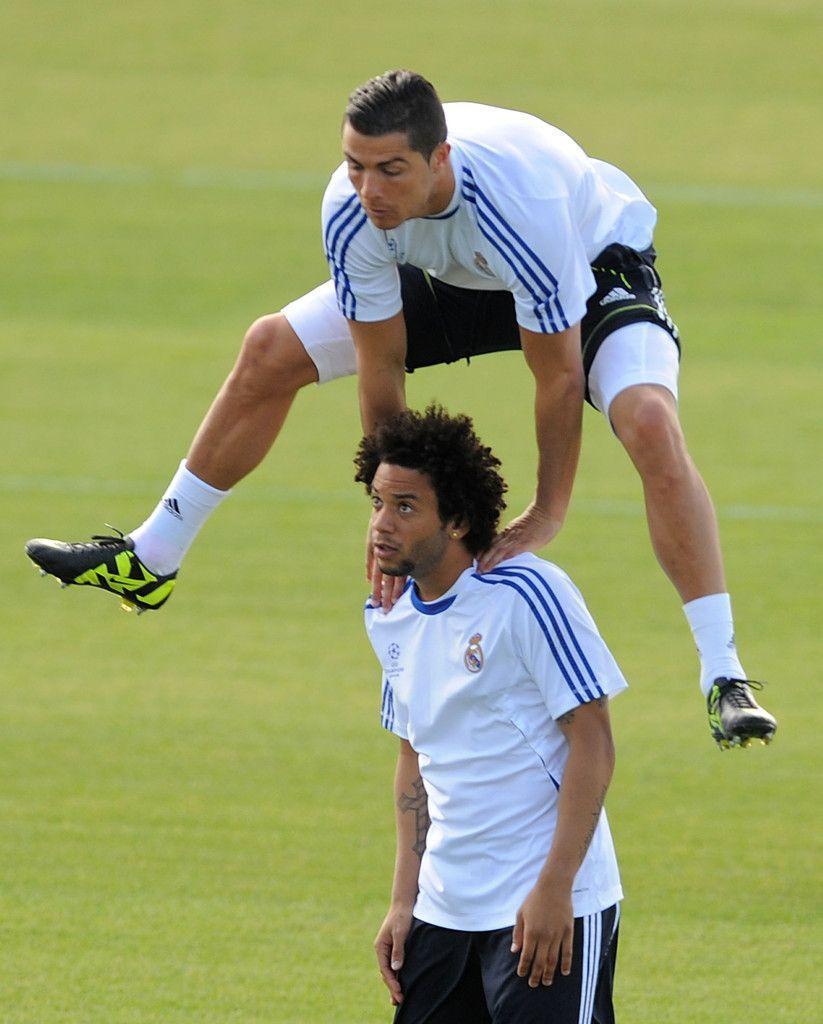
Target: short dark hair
(463, 471)
(399, 101)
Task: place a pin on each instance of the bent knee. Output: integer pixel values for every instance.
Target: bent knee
(645, 420)
(272, 357)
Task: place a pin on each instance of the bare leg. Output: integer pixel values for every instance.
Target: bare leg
(251, 406)
(684, 533)
(681, 517)
(239, 429)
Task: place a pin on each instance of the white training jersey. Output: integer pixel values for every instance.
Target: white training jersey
(530, 211)
(475, 682)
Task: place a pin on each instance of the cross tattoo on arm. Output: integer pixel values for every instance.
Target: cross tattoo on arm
(417, 802)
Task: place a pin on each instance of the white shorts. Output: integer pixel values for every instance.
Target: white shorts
(641, 353)
(323, 332)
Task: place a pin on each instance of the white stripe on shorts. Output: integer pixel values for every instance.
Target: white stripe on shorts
(590, 970)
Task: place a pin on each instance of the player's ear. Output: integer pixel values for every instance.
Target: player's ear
(458, 528)
(440, 154)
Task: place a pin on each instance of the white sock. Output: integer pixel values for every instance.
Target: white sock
(713, 630)
(165, 537)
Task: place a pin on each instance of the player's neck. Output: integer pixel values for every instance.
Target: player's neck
(443, 191)
(445, 574)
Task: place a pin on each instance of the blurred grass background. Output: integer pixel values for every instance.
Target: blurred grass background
(196, 806)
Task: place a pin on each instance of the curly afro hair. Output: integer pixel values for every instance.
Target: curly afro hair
(463, 471)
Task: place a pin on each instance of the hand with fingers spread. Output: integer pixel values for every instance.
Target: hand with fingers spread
(543, 934)
(390, 947)
(528, 532)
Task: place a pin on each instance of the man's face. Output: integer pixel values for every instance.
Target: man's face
(407, 534)
(393, 182)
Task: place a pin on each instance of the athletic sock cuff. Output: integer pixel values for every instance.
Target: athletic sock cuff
(195, 489)
(704, 611)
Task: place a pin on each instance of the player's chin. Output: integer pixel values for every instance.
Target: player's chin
(385, 221)
(397, 567)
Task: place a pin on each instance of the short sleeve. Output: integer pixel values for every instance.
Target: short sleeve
(552, 276)
(366, 280)
(558, 640)
(392, 716)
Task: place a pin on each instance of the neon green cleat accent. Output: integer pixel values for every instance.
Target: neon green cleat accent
(735, 717)
(107, 563)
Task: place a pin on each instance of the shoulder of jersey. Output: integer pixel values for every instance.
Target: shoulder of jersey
(498, 143)
(338, 190)
(529, 564)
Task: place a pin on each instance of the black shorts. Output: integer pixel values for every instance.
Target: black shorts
(445, 323)
(453, 977)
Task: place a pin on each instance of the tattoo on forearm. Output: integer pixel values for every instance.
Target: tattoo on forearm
(417, 802)
(595, 818)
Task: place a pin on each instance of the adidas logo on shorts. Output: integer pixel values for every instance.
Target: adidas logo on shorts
(617, 295)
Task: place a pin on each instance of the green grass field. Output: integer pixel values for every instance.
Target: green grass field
(196, 806)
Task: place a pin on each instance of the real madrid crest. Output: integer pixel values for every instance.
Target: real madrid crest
(482, 264)
(473, 658)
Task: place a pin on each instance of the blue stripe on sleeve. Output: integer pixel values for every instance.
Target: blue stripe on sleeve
(340, 282)
(340, 231)
(358, 224)
(486, 231)
(558, 632)
(351, 201)
(387, 708)
(564, 671)
(345, 296)
(526, 253)
(519, 571)
(529, 251)
(530, 261)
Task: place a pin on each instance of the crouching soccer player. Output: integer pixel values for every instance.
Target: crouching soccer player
(505, 901)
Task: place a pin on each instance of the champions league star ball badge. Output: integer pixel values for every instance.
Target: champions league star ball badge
(473, 658)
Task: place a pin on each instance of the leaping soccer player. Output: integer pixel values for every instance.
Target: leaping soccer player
(506, 892)
(451, 232)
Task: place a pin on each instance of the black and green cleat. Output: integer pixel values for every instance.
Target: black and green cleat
(735, 717)
(107, 563)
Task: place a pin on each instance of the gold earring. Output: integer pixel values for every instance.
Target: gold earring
(455, 534)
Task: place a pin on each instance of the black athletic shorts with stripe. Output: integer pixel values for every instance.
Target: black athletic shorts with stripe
(445, 323)
(454, 977)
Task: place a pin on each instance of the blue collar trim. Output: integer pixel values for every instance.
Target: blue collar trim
(442, 216)
(432, 607)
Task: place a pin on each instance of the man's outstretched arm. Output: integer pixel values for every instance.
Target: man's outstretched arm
(557, 365)
(381, 368)
(381, 383)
